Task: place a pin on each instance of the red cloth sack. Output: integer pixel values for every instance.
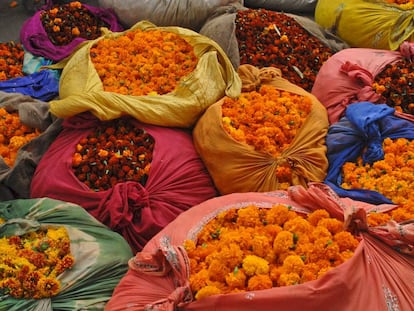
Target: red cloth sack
(158, 278)
(348, 76)
(177, 181)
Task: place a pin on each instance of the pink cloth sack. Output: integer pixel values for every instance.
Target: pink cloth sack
(347, 77)
(377, 273)
(177, 181)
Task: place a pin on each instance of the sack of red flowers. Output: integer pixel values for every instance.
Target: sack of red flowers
(271, 137)
(301, 249)
(55, 256)
(164, 76)
(133, 177)
(295, 44)
(363, 74)
(26, 131)
(55, 31)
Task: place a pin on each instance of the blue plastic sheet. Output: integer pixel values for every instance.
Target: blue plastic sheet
(361, 132)
(42, 85)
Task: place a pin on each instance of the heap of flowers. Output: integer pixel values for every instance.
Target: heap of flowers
(31, 264)
(116, 151)
(65, 22)
(395, 83)
(268, 38)
(268, 120)
(13, 135)
(392, 177)
(254, 248)
(143, 62)
(11, 60)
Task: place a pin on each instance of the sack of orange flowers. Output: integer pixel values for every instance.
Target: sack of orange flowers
(56, 30)
(271, 137)
(164, 76)
(26, 131)
(360, 74)
(302, 249)
(377, 24)
(133, 177)
(55, 256)
(370, 152)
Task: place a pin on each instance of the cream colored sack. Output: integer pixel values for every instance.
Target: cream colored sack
(367, 23)
(81, 89)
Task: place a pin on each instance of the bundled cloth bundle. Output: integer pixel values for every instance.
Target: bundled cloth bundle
(190, 14)
(199, 76)
(361, 74)
(290, 152)
(85, 259)
(24, 140)
(172, 179)
(161, 276)
(376, 24)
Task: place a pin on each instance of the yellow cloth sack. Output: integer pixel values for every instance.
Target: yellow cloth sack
(237, 167)
(367, 23)
(81, 89)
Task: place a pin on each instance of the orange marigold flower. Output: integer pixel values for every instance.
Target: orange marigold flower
(207, 291)
(258, 282)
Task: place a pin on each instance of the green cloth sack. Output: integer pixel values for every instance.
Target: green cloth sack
(101, 255)
(81, 89)
(367, 23)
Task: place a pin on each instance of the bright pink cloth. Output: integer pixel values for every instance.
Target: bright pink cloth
(376, 277)
(177, 181)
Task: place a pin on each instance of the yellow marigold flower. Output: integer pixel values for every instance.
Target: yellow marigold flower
(259, 282)
(207, 291)
(284, 242)
(255, 265)
(199, 280)
(346, 241)
(287, 279)
(332, 224)
(236, 279)
(317, 215)
(293, 263)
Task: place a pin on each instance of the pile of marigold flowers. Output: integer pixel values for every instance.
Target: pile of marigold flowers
(395, 84)
(392, 177)
(116, 151)
(30, 264)
(65, 22)
(254, 248)
(13, 135)
(143, 62)
(11, 60)
(268, 120)
(268, 38)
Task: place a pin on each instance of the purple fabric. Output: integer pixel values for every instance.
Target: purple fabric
(34, 38)
(177, 181)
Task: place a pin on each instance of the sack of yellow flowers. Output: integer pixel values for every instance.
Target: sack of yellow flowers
(164, 76)
(302, 249)
(26, 131)
(55, 256)
(271, 137)
(378, 24)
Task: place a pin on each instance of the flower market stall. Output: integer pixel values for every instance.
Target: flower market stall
(207, 155)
